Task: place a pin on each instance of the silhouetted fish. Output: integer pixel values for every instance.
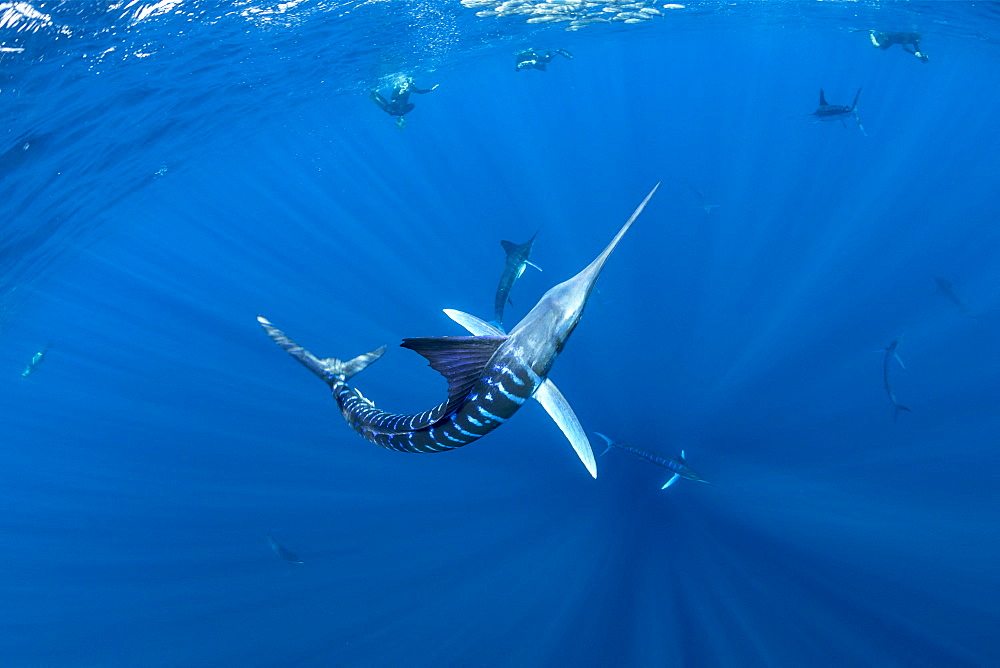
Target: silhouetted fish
(282, 552)
(676, 465)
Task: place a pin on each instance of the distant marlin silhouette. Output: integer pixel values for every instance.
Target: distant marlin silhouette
(490, 375)
(282, 552)
(704, 204)
(838, 112)
(890, 352)
(35, 361)
(949, 291)
(517, 260)
(676, 465)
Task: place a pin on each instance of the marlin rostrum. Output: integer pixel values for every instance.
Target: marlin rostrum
(490, 375)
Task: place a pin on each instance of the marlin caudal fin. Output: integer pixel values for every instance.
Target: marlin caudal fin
(899, 407)
(606, 440)
(327, 369)
(547, 394)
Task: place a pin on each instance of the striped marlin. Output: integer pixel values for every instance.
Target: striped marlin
(517, 260)
(705, 204)
(282, 551)
(838, 112)
(676, 465)
(890, 352)
(35, 361)
(948, 290)
(490, 374)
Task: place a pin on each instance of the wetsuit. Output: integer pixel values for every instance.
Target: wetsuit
(883, 40)
(529, 58)
(400, 104)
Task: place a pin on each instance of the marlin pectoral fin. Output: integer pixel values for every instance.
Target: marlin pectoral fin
(555, 404)
(547, 394)
(472, 324)
(607, 440)
(899, 359)
(672, 480)
(532, 264)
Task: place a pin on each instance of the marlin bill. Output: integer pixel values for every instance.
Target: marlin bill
(490, 374)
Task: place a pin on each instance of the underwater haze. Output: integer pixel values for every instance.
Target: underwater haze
(177, 490)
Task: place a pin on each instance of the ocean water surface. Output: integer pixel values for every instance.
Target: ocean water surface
(170, 170)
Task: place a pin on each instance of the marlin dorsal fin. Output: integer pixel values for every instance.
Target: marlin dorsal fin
(460, 359)
(508, 246)
(822, 98)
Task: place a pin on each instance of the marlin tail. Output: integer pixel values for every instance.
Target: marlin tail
(490, 375)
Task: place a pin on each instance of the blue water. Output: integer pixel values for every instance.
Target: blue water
(169, 171)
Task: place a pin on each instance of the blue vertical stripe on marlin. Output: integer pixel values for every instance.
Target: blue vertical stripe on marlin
(517, 260)
(676, 465)
(490, 376)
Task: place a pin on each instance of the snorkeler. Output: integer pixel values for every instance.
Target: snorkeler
(400, 103)
(529, 58)
(883, 40)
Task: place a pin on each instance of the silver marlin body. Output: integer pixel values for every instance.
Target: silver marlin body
(490, 374)
(36, 361)
(676, 465)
